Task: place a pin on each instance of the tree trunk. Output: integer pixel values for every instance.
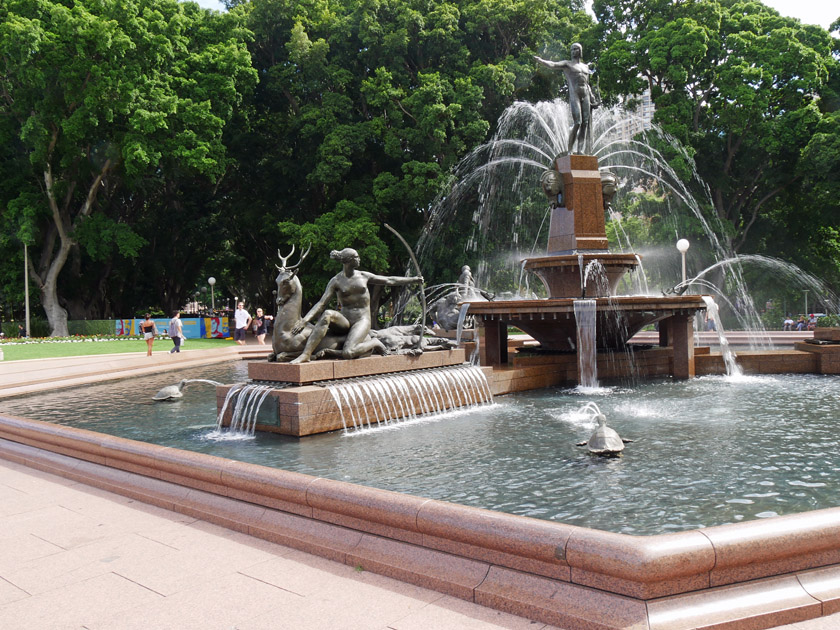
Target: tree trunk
(48, 282)
(56, 315)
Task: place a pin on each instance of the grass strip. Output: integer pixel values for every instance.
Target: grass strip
(54, 349)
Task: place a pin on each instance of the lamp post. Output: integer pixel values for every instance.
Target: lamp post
(26, 287)
(682, 246)
(805, 291)
(212, 281)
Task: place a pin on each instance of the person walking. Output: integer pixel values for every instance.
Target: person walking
(243, 320)
(260, 326)
(149, 330)
(176, 331)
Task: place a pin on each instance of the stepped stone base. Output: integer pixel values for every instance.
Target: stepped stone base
(316, 371)
(308, 408)
(827, 358)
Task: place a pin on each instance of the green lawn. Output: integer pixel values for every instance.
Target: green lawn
(17, 352)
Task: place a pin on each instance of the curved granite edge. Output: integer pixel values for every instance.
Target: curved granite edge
(785, 568)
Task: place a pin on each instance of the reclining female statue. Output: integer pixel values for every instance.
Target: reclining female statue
(352, 320)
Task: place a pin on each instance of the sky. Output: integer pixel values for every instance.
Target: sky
(822, 12)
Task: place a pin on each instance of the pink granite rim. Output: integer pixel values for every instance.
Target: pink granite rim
(638, 559)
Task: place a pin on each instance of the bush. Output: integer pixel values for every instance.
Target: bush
(829, 321)
(83, 327)
(88, 327)
(37, 328)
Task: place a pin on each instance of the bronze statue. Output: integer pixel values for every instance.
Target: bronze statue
(353, 320)
(581, 98)
(445, 311)
(466, 284)
(287, 344)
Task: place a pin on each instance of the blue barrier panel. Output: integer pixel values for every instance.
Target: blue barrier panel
(192, 327)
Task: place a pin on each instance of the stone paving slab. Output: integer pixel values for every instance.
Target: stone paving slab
(90, 559)
(34, 375)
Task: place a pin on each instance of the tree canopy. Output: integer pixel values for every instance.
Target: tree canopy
(106, 104)
(736, 82)
(148, 144)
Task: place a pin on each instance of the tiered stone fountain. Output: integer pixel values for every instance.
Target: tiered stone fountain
(578, 265)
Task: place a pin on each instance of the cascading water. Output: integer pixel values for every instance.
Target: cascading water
(365, 402)
(202, 380)
(791, 274)
(597, 275)
(502, 177)
(732, 367)
(585, 314)
(462, 317)
(247, 399)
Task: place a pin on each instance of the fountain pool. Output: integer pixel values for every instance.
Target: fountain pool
(707, 451)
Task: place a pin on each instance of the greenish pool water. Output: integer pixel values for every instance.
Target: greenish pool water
(705, 452)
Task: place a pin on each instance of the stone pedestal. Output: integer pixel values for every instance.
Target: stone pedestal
(575, 226)
(325, 370)
(681, 333)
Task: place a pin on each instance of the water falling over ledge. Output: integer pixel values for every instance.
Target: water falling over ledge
(365, 402)
(246, 400)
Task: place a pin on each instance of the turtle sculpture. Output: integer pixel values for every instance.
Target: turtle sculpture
(604, 441)
(171, 392)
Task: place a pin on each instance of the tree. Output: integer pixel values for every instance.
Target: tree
(113, 102)
(363, 109)
(733, 80)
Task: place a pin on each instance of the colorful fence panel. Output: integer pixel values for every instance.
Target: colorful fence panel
(193, 327)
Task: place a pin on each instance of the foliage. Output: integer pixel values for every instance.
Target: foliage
(733, 80)
(105, 103)
(362, 111)
(773, 318)
(148, 144)
(829, 321)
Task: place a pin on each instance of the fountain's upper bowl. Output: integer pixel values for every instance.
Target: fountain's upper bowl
(586, 274)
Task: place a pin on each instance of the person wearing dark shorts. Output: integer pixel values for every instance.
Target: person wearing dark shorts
(243, 320)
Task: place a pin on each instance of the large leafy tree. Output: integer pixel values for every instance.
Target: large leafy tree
(109, 106)
(734, 81)
(362, 109)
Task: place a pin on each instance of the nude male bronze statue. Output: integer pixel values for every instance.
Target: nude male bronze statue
(581, 98)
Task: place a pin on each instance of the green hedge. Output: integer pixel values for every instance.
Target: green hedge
(91, 327)
(41, 328)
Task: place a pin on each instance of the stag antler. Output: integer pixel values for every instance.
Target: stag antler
(302, 258)
(285, 259)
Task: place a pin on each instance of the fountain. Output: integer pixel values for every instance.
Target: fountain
(772, 570)
(312, 377)
(578, 266)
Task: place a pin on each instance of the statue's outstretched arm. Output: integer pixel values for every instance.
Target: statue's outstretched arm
(392, 281)
(550, 64)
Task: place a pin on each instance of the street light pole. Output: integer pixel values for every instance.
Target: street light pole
(805, 291)
(682, 246)
(212, 281)
(26, 286)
